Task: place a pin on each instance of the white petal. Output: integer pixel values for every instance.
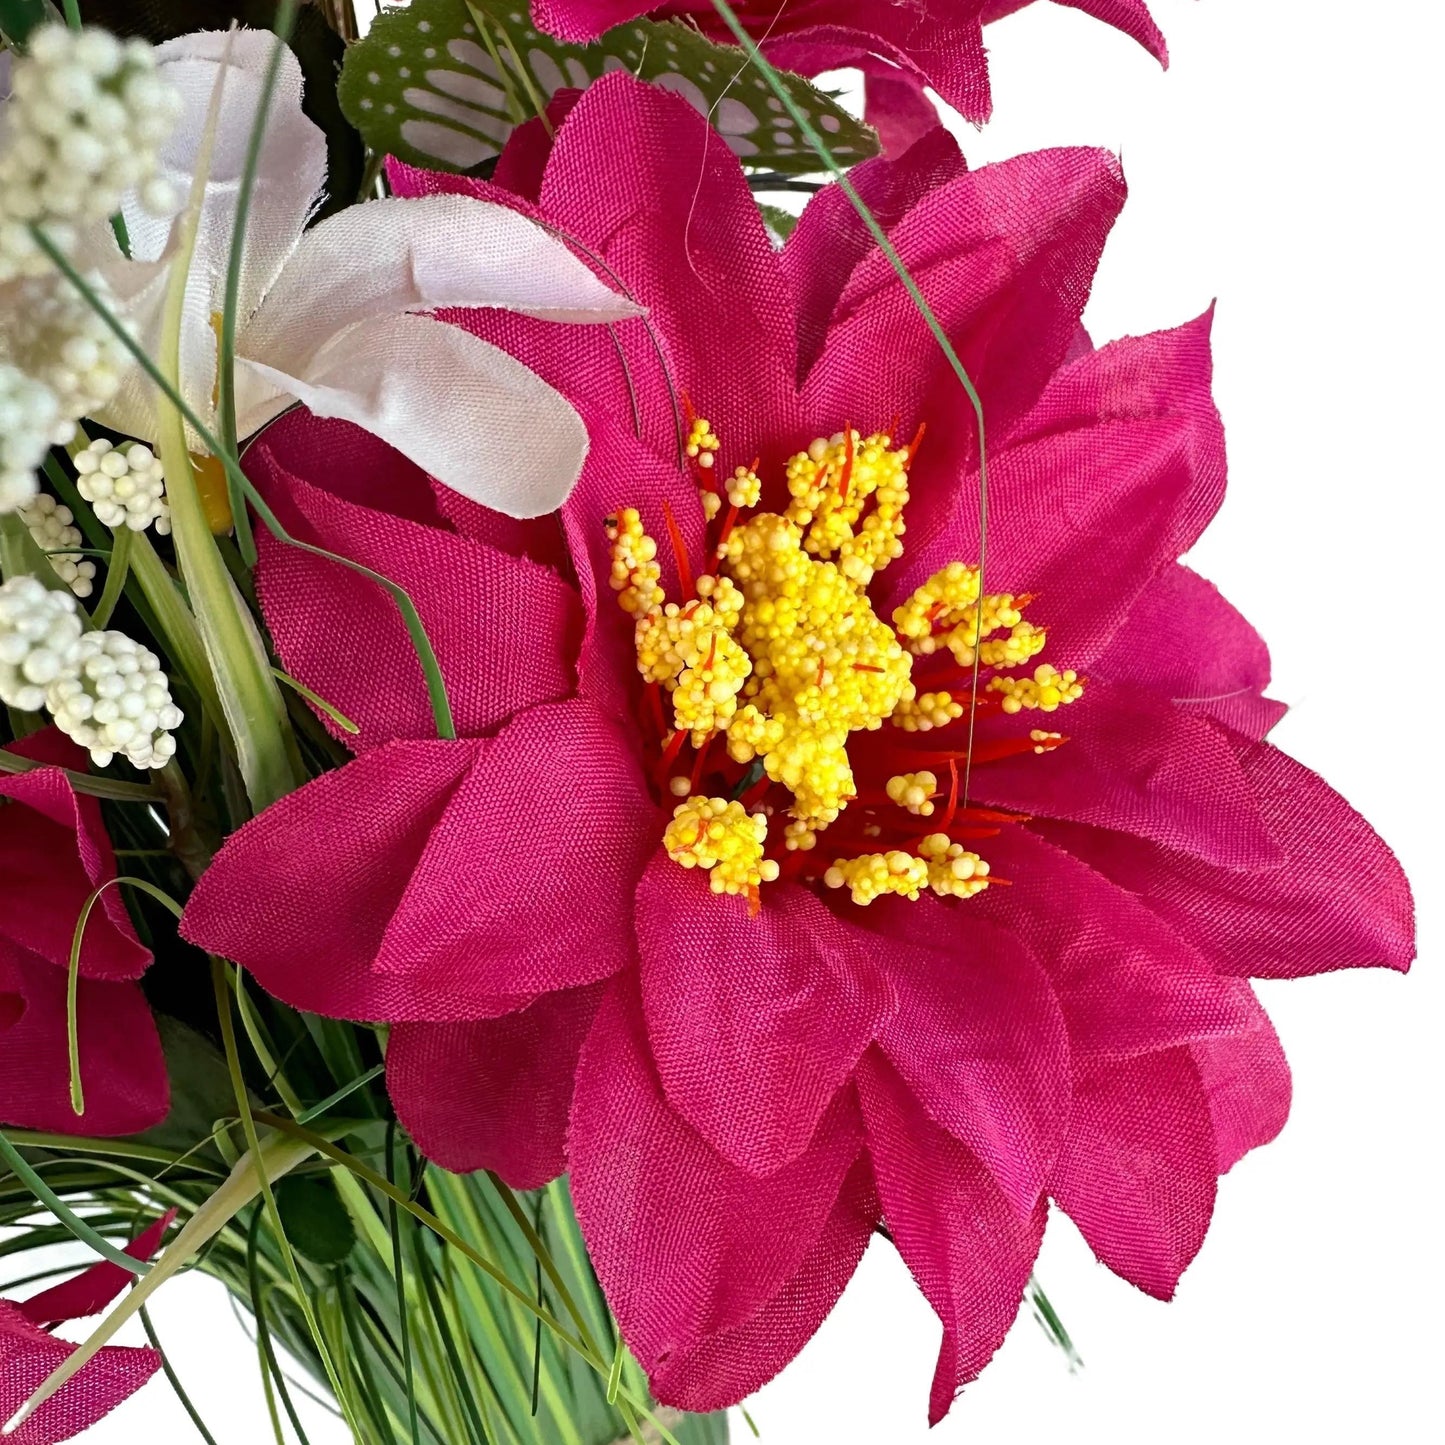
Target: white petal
(474, 417)
(289, 177)
(386, 257)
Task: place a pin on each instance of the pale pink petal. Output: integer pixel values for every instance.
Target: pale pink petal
(755, 1023)
(493, 1093)
(1137, 1170)
(685, 1244)
(965, 1245)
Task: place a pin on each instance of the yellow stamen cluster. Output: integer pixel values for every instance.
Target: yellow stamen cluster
(1046, 691)
(946, 867)
(723, 838)
(636, 575)
(782, 654)
(947, 611)
(927, 711)
(874, 874)
(823, 664)
(833, 483)
(953, 872)
(913, 791)
(702, 443)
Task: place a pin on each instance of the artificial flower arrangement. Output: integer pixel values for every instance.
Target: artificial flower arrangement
(580, 746)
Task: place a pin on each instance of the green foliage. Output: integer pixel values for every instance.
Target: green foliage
(19, 17)
(443, 83)
(314, 1218)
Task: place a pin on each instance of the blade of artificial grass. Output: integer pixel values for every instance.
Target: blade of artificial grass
(360, 1361)
(436, 684)
(279, 1155)
(285, 19)
(170, 1374)
(324, 1146)
(72, 988)
(317, 701)
(316, 1110)
(95, 787)
(117, 570)
(269, 1365)
(814, 138)
(248, 1124)
(65, 1214)
(1053, 1325)
(393, 1220)
(423, 1270)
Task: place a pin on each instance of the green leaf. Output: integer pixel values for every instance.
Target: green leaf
(315, 1220)
(779, 221)
(443, 83)
(19, 17)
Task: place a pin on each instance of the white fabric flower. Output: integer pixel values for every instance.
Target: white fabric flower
(335, 316)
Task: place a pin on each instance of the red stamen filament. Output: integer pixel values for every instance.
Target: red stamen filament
(845, 478)
(679, 550)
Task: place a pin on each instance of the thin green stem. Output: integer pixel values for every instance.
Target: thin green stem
(171, 1375)
(284, 20)
(116, 572)
(72, 13)
(83, 782)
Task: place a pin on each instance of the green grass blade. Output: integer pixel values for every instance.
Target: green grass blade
(170, 1374)
(116, 572)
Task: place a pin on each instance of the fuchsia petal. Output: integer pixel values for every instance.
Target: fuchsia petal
(733, 1363)
(1138, 766)
(1113, 474)
(399, 888)
(1184, 642)
(830, 238)
(1137, 1170)
(493, 1093)
(1127, 983)
(755, 1023)
(1247, 1080)
(122, 1069)
(302, 895)
(1311, 913)
(1005, 256)
(54, 853)
(979, 1037)
(685, 1244)
(90, 1291)
(505, 630)
(28, 1355)
(526, 883)
(969, 1251)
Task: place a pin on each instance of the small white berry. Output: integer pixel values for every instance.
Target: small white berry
(52, 528)
(124, 485)
(116, 700)
(40, 632)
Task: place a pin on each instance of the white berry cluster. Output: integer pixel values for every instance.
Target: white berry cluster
(86, 117)
(40, 632)
(58, 339)
(52, 527)
(125, 485)
(116, 700)
(30, 421)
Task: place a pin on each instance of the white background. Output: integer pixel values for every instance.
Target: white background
(1287, 164)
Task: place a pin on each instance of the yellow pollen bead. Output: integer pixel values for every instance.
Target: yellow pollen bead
(953, 872)
(723, 838)
(744, 488)
(913, 791)
(927, 711)
(874, 874)
(1046, 691)
(635, 574)
(702, 442)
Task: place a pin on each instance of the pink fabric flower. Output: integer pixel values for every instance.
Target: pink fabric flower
(54, 853)
(743, 1094)
(899, 47)
(29, 1352)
